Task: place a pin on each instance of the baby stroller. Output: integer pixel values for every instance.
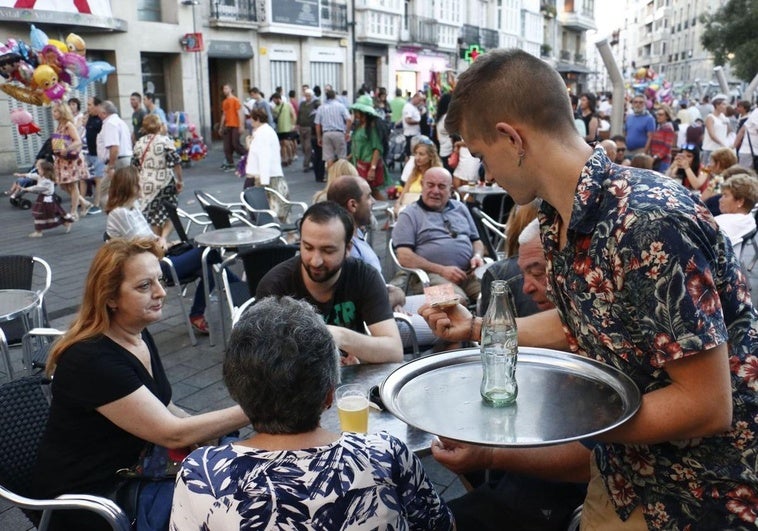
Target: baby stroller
(396, 151)
(45, 152)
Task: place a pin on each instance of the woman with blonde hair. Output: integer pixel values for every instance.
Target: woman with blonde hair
(160, 168)
(111, 399)
(424, 157)
(339, 168)
(69, 161)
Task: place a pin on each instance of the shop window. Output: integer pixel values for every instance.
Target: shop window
(153, 77)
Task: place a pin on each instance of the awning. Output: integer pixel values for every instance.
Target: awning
(571, 67)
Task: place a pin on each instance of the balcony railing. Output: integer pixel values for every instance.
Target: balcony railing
(422, 30)
(565, 55)
(234, 10)
(489, 38)
(470, 34)
(334, 16)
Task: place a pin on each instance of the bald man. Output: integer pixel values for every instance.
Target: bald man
(437, 234)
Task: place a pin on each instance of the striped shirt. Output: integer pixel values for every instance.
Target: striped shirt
(331, 116)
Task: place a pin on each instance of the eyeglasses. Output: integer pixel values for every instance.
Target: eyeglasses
(620, 149)
(449, 228)
(638, 102)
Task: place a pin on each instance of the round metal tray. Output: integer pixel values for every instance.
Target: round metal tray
(561, 397)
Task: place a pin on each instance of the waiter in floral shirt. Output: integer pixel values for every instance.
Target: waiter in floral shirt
(642, 280)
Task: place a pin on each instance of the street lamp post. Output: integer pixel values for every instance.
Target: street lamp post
(198, 73)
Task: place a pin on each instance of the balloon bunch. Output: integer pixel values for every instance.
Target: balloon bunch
(188, 142)
(653, 86)
(45, 71)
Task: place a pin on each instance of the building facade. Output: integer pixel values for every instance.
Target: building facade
(185, 50)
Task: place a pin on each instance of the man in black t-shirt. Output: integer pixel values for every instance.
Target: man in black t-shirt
(345, 291)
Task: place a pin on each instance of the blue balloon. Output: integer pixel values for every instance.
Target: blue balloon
(97, 71)
(38, 38)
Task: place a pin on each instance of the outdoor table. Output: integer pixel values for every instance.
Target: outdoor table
(230, 237)
(16, 303)
(368, 375)
(480, 191)
(562, 397)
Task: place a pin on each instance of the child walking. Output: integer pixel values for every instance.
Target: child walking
(46, 211)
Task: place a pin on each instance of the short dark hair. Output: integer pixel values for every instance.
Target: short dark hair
(78, 103)
(619, 138)
(281, 365)
(259, 114)
(343, 189)
(497, 87)
(150, 96)
(325, 211)
(96, 100)
(136, 95)
(330, 94)
(254, 90)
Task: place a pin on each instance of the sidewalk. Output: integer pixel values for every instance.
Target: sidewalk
(194, 372)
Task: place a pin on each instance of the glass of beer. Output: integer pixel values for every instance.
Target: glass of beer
(352, 406)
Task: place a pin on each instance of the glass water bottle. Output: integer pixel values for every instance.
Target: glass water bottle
(499, 347)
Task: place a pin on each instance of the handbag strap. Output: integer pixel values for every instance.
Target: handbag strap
(749, 143)
(147, 149)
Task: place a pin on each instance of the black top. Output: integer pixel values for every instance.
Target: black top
(81, 450)
(360, 294)
(92, 129)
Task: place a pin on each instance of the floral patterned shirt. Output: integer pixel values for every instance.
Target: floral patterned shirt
(359, 482)
(645, 278)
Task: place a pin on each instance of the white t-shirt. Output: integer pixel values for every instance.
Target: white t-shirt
(751, 128)
(736, 226)
(114, 132)
(412, 112)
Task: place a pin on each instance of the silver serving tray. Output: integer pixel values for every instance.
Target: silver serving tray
(561, 397)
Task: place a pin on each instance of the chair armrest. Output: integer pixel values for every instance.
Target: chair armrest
(422, 275)
(37, 341)
(402, 318)
(286, 201)
(241, 310)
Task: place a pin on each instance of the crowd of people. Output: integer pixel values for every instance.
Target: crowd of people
(623, 249)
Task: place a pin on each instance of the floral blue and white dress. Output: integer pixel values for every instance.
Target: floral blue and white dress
(358, 482)
(646, 278)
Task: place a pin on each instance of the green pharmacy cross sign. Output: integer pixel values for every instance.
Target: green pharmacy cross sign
(472, 53)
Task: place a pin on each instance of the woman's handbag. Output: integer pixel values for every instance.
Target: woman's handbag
(364, 168)
(452, 160)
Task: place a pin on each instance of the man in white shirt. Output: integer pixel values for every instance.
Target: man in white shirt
(114, 146)
(747, 140)
(412, 120)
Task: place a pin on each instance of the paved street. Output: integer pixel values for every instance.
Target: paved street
(194, 372)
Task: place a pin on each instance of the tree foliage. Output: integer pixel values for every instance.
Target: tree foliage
(732, 30)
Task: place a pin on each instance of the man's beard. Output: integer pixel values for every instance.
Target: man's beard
(323, 275)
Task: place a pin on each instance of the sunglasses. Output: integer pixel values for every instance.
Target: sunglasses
(425, 140)
(689, 147)
(449, 228)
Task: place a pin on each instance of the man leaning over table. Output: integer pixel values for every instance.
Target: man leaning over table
(345, 291)
(643, 280)
(438, 235)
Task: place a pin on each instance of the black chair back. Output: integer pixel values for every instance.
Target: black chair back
(260, 260)
(173, 215)
(220, 217)
(17, 272)
(23, 418)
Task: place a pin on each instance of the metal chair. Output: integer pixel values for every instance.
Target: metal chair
(35, 347)
(256, 262)
(492, 233)
(255, 201)
(23, 417)
(25, 273)
(750, 238)
(205, 199)
(420, 273)
(176, 214)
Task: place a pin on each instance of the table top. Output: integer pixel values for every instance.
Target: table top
(481, 190)
(368, 375)
(561, 397)
(237, 236)
(14, 302)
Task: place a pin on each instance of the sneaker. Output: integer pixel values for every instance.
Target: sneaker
(87, 209)
(226, 166)
(94, 210)
(36, 234)
(199, 324)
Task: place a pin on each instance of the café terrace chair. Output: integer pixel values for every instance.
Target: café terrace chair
(256, 201)
(26, 273)
(419, 273)
(23, 417)
(176, 215)
(491, 233)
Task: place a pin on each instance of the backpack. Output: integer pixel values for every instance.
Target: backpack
(383, 129)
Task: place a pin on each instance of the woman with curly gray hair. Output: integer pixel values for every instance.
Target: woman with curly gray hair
(282, 367)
